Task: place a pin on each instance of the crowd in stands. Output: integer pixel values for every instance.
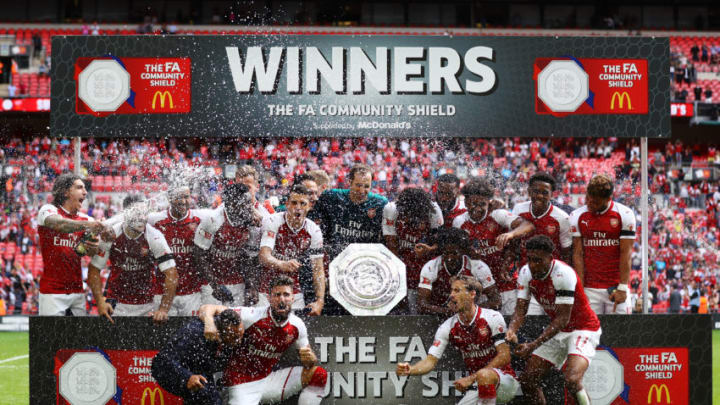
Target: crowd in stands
(690, 58)
(684, 216)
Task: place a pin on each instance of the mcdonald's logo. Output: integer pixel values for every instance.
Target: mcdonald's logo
(658, 390)
(621, 97)
(152, 394)
(167, 94)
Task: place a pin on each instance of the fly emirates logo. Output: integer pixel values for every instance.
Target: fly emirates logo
(70, 241)
(600, 239)
(396, 70)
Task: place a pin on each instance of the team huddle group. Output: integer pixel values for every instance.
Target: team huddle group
(461, 249)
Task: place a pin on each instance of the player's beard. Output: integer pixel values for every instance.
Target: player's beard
(281, 316)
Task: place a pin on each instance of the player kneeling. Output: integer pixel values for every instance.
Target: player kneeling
(479, 334)
(574, 329)
(269, 331)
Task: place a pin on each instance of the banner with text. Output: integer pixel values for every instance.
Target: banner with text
(359, 85)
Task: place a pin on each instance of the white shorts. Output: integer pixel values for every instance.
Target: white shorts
(506, 390)
(509, 300)
(237, 291)
(579, 343)
(182, 305)
(601, 304)
(57, 304)
(276, 387)
(133, 310)
(534, 308)
(263, 301)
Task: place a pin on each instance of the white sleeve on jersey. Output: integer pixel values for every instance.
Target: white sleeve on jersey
(389, 217)
(504, 218)
(564, 221)
(574, 218)
(523, 291)
(154, 217)
(205, 232)
(316, 240)
(460, 220)
(302, 340)
(103, 254)
(270, 227)
(436, 219)
(521, 207)
(564, 280)
(159, 247)
(46, 211)
(442, 338)
(428, 274)
(482, 273)
(497, 325)
(628, 222)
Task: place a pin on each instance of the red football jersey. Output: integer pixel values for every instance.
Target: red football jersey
(408, 237)
(483, 235)
(288, 244)
(554, 223)
(227, 244)
(436, 277)
(62, 273)
(601, 234)
(179, 234)
(476, 341)
(132, 264)
(263, 343)
(456, 211)
(560, 286)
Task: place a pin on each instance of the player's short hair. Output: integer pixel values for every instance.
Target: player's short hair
(540, 242)
(246, 170)
(543, 177)
(234, 192)
(320, 176)
(478, 186)
(449, 178)
(301, 178)
(281, 280)
(299, 188)
(451, 237)
(175, 190)
(359, 169)
(131, 199)
(601, 185)
(62, 185)
(226, 319)
(414, 204)
(471, 284)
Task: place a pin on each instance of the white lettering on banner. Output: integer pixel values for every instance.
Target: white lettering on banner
(142, 367)
(660, 367)
(260, 67)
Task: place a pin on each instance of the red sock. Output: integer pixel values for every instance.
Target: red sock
(319, 378)
(487, 391)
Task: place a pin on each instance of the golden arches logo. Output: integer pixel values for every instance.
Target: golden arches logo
(621, 97)
(164, 94)
(658, 390)
(151, 394)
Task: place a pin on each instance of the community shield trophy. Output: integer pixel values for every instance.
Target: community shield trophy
(367, 279)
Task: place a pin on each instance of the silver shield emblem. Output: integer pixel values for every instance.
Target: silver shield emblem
(367, 279)
(563, 86)
(104, 85)
(87, 378)
(604, 379)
